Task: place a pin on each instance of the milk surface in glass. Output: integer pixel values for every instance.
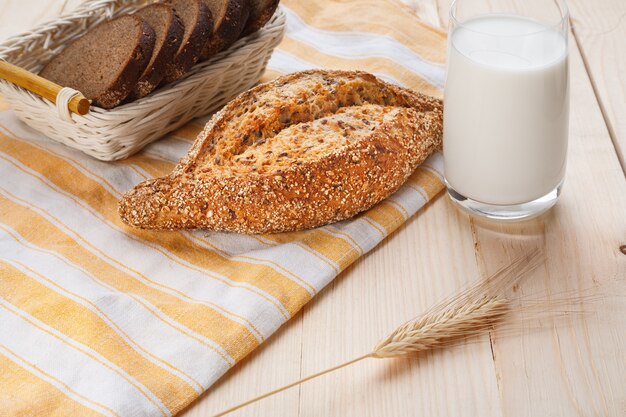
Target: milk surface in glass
(506, 109)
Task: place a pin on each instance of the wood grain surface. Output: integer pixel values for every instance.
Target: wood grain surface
(600, 32)
(571, 367)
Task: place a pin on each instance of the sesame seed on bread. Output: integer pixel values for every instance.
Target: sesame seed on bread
(304, 150)
(169, 35)
(105, 63)
(198, 23)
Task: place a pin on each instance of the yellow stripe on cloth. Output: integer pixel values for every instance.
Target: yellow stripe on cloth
(35, 327)
(152, 166)
(144, 321)
(332, 249)
(377, 65)
(85, 324)
(190, 131)
(53, 398)
(191, 315)
(379, 17)
(387, 216)
(427, 181)
(68, 178)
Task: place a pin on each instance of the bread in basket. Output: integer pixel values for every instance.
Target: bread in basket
(115, 134)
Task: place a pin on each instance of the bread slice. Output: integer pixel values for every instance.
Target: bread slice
(305, 150)
(229, 19)
(169, 35)
(198, 24)
(261, 12)
(105, 63)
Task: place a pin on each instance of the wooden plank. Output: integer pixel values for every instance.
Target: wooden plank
(574, 370)
(578, 367)
(600, 30)
(399, 280)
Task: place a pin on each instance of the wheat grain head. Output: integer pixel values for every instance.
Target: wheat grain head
(472, 311)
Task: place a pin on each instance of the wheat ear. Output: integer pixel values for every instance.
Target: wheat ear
(471, 312)
(434, 331)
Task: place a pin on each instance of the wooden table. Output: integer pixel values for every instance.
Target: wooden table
(574, 367)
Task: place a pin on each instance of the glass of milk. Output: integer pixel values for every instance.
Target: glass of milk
(506, 107)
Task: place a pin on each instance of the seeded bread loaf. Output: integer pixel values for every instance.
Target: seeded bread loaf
(198, 24)
(229, 19)
(169, 34)
(261, 11)
(302, 151)
(106, 62)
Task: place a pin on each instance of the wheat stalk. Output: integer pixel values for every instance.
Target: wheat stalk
(469, 313)
(433, 331)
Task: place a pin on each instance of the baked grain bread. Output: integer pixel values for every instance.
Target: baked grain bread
(229, 19)
(198, 23)
(106, 62)
(261, 12)
(169, 33)
(305, 150)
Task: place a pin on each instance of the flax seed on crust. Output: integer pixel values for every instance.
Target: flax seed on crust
(304, 150)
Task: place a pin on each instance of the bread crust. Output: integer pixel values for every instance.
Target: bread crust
(136, 65)
(260, 14)
(191, 48)
(227, 31)
(155, 72)
(316, 192)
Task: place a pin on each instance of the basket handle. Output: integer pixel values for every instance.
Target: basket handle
(63, 100)
(76, 103)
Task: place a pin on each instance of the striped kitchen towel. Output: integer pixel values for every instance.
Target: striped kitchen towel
(100, 319)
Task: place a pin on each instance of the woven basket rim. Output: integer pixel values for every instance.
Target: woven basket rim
(119, 132)
(90, 6)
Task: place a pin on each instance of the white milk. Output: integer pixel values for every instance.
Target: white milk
(506, 110)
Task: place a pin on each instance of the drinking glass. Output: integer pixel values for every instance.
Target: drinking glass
(506, 107)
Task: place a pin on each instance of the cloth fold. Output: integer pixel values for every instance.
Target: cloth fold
(100, 319)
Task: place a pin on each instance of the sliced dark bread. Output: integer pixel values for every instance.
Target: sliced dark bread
(261, 12)
(106, 62)
(229, 19)
(169, 32)
(198, 24)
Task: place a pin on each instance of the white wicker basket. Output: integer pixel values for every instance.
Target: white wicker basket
(115, 134)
